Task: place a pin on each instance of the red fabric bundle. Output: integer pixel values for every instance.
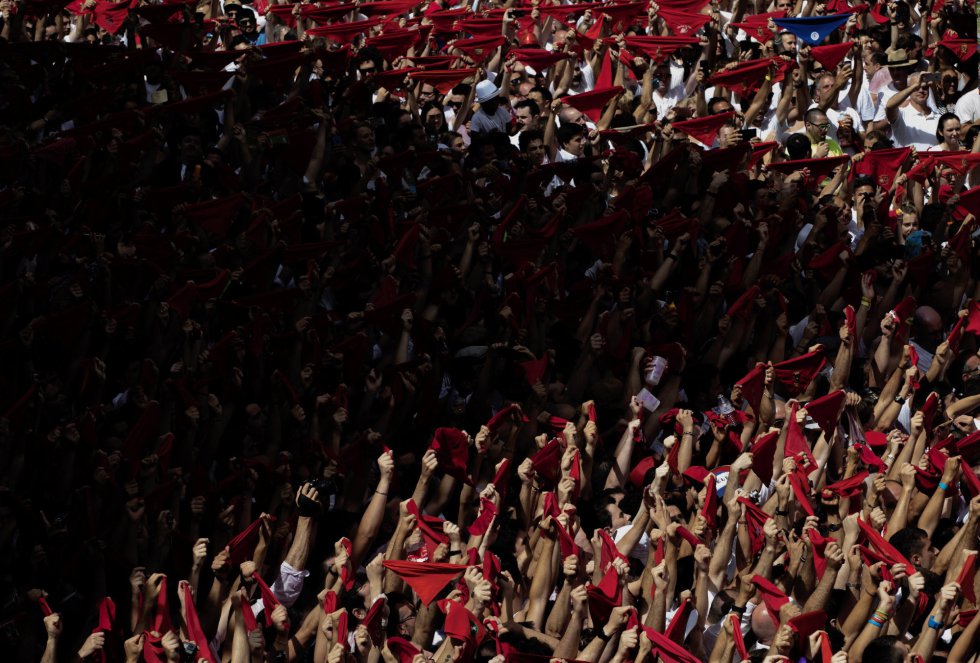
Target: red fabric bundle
(194, 630)
(882, 165)
(682, 23)
(605, 596)
(755, 519)
(772, 596)
(887, 551)
(592, 103)
(443, 80)
(831, 55)
(797, 373)
(452, 449)
(538, 59)
(704, 129)
(430, 526)
(826, 411)
(426, 578)
(241, 547)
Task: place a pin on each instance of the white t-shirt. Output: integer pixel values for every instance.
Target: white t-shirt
(968, 107)
(914, 128)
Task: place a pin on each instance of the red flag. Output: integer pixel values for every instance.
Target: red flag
(831, 54)
(826, 410)
(592, 103)
(443, 80)
(426, 578)
(887, 551)
(704, 129)
(194, 630)
(797, 373)
(538, 59)
(965, 578)
(772, 596)
(683, 23)
(882, 165)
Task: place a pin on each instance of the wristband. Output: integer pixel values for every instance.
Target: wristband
(933, 624)
(455, 551)
(866, 302)
(738, 609)
(872, 622)
(602, 635)
(671, 256)
(943, 486)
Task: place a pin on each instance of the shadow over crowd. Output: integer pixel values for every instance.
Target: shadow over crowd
(502, 332)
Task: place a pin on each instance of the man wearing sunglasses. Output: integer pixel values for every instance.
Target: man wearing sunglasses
(817, 126)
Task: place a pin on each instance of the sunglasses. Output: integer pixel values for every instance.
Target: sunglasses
(822, 125)
(455, 104)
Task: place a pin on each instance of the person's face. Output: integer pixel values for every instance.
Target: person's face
(575, 145)
(456, 102)
(784, 5)
(427, 93)
(722, 107)
(950, 82)
(537, 98)
(818, 128)
(910, 223)
(190, 146)
(727, 136)
(824, 85)
(951, 132)
(864, 195)
(900, 76)
(524, 118)
(575, 117)
(364, 139)
(921, 94)
(246, 25)
(789, 44)
(616, 515)
(535, 151)
(871, 67)
(457, 145)
(434, 118)
(406, 619)
(925, 558)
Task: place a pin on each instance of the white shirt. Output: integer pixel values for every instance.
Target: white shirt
(914, 128)
(968, 107)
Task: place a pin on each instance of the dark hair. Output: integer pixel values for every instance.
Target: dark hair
(798, 147)
(865, 180)
(909, 541)
(545, 93)
(714, 101)
(879, 58)
(812, 114)
(462, 88)
(884, 650)
(525, 138)
(528, 104)
(943, 119)
(567, 131)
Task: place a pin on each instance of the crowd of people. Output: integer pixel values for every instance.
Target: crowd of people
(412, 332)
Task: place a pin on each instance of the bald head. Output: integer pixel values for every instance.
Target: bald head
(927, 327)
(763, 625)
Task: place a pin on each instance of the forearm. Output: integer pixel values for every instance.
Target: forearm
(50, 654)
(570, 638)
(370, 523)
(542, 583)
(299, 550)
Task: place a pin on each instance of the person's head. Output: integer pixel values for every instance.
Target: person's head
(457, 97)
(571, 138)
(798, 147)
(368, 62)
(362, 137)
(719, 105)
(785, 5)
(949, 83)
(763, 624)
(886, 649)
(817, 125)
(877, 140)
(433, 117)
(569, 115)
(488, 96)
(899, 66)
(525, 111)
(531, 142)
(541, 96)
(609, 512)
(231, 8)
(245, 20)
(914, 545)
(190, 145)
(727, 136)
(787, 44)
(824, 87)
(927, 328)
(910, 221)
(920, 97)
(948, 130)
(427, 93)
(873, 62)
(865, 189)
